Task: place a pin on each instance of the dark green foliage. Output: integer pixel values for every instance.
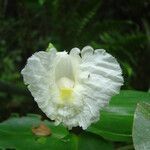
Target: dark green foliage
(121, 27)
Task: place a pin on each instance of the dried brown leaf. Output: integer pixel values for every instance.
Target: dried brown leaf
(41, 130)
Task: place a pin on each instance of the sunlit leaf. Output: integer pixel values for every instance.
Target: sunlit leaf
(141, 127)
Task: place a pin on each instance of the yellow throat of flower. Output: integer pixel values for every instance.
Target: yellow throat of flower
(66, 88)
(66, 93)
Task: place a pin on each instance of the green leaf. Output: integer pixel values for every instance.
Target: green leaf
(141, 127)
(87, 141)
(16, 133)
(116, 119)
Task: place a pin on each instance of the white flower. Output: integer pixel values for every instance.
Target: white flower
(72, 88)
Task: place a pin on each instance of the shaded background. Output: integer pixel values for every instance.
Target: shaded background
(27, 26)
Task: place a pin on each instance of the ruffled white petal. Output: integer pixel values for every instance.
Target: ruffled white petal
(63, 60)
(75, 52)
(87, 51)
(101, 78)
(92, 80)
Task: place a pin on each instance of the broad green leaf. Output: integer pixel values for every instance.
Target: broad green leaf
(141, 127)
(87, 141)
(16, 133)
(116, 119)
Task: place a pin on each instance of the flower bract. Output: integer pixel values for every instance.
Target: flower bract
(72, 88)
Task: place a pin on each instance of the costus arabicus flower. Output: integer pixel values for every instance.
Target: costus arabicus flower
(72, 88)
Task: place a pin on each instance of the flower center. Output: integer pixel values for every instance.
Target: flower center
(66, 88)
(64, 76)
